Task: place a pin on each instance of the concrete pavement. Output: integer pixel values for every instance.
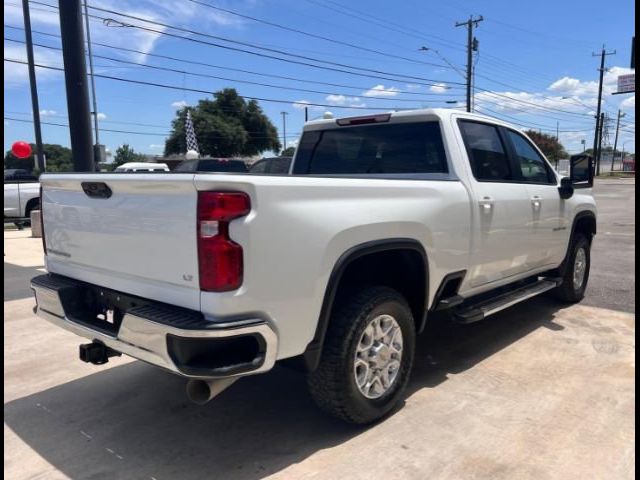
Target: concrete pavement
(541, 391)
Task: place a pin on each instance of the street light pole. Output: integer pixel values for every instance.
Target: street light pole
(284, 130)
(615, 143)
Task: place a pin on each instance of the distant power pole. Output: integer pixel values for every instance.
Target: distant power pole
(597, 140)
(601, 134)
(557, 143)
(472, 22)
(615, 142)
(34, 86)
(284, 130)
(306, 114)
(98, 150)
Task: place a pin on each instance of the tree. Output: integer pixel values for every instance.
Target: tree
(226, 126)
(58, 158)
(549, 145)
(288, 152)
(126, 154)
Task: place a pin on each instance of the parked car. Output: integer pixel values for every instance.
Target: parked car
(386, 221)
(21, 196)
(226, 165)
(131, 167)
(275, 165)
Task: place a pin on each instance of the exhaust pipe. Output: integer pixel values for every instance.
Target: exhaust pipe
(202, 391)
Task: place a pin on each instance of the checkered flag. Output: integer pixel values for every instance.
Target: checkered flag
(192, 142)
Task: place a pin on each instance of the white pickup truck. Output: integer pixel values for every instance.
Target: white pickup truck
(21, 196)
(382, 222)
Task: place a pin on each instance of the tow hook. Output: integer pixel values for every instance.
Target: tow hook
(97, 353)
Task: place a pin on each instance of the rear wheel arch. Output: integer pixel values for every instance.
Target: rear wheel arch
(355, 268)
(32, 204)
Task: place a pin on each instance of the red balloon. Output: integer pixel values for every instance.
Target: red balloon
(21, 149)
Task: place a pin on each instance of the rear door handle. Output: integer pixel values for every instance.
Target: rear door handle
(536, 202)
(486, 203)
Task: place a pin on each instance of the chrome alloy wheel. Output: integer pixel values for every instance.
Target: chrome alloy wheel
(378, 356)
(579, 268)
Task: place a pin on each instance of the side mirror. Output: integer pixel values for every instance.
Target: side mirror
(581, 171)
(566, 188)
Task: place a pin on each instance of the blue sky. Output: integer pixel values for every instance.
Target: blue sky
(534, 67)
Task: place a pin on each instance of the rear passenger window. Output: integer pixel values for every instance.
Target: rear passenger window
(487, 154)
(533, 167)
(395, 148)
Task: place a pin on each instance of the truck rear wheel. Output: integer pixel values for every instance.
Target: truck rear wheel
(367, 356)
(576, 275)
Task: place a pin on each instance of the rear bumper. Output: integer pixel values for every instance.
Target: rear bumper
(176, 339)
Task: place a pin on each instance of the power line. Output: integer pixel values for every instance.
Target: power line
(156, 134)
(204, 75)
(176, 87)
(257, 47)
(222, 67)
(309, 34)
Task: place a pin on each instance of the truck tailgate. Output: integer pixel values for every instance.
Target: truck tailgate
(141, 239)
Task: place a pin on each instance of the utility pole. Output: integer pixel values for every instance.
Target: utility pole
(472, 22)
(35, 105)
(98, 150)
(75, 75)
(557, 142)
(600, 138)
(306, 114)
(596, 140)
(284, 130)
(615, 142)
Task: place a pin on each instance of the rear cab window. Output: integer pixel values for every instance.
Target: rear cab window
(390, 148)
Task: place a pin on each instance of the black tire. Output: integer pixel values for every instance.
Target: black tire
(568, 292)
(332, 384)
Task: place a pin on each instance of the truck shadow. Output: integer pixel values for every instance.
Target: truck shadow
(133, 421)
(17, 281)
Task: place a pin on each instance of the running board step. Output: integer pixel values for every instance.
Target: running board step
(479, 311)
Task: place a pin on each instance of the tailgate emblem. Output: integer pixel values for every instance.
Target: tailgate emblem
(97, 189)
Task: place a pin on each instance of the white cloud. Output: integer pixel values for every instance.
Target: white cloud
(345, 101)
(439, 88)
(47, 113)
(381, 91)
(628, 104)
(413, 87)
(178, 104)
(155, 146)
(16, 74)
(101, 116)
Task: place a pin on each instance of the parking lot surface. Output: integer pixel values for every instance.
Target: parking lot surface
(541, 391)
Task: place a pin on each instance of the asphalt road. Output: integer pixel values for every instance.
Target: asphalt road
(540, 391)
(613, 270)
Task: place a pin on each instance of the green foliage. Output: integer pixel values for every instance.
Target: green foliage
(288, 152)
(126, 154)
(549, 145)
(225, 127)
(58, 158)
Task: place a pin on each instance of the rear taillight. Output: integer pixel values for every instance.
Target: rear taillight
(44, 243)
(220, 258)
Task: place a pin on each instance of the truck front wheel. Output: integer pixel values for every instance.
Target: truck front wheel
(576, 277)
(367, 356)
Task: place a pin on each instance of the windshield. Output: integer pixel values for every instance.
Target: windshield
(399, 148)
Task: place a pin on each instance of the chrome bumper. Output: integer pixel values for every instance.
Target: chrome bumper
(146, 338)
